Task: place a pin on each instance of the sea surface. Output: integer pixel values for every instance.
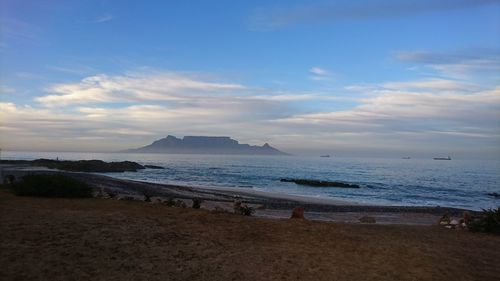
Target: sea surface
(409, 182)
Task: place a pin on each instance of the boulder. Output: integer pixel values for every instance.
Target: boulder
(297, 213)
(154, 167)
(320, 183)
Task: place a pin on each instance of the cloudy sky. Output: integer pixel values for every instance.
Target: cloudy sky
(376, 78)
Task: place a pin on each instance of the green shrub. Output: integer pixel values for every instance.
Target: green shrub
(488, 221)
(51, 186)
(197, 203)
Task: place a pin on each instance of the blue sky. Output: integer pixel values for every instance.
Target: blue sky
(373, 77)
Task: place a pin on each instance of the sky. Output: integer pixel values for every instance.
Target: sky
(348, 78)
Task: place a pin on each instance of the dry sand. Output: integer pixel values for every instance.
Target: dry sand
(98, 239)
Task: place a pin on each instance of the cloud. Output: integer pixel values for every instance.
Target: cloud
(102, 19)
(132, 88)
(6, 90)
(319, 73)
(15, 30)
(458, 64)
(112, 112)
(266, 19)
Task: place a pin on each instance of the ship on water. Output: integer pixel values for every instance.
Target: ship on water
(325, 156)
(442, 158)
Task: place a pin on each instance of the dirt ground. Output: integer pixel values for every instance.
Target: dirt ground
(98, 239)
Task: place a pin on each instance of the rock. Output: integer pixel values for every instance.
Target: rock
(454, 222)
(94, 166)
(298, 213)
(154, 167)
(494, 194)
(367, 219)
(319, 183)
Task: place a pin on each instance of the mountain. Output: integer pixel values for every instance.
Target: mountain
(204, 145)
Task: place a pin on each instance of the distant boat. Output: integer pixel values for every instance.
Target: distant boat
(442, 158)
(406, 157)
(325, 156)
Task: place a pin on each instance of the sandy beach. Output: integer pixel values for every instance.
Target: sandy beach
(98, 239)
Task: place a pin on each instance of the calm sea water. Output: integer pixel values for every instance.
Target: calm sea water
(423, 182)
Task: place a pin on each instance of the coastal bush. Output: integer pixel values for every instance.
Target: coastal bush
(196, 203)
(488, 221)
(51, 186)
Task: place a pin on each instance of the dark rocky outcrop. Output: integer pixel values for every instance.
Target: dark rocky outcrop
(204, 145)
(319, 183)
(153, 167)
(96, 166)
(494, 194)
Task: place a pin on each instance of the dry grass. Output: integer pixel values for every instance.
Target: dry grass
(92, 239)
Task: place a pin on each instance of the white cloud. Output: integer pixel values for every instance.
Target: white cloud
(123, 111)
(319, 74)
(132, 88)
(104, 18)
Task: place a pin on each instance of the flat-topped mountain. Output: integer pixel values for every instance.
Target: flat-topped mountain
(205, 145)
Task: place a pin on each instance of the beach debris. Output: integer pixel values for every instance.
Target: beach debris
(445, 219)
(320, 183)
(260, 207)
(298, 213)
(242, 209)
(237, 206)
(367, 219)
(196, 203)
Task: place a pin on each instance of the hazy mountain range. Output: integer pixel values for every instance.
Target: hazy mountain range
(205, 145)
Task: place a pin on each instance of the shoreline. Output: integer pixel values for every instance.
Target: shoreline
(276, 205)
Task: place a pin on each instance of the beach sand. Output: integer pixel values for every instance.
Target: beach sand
(103, 239)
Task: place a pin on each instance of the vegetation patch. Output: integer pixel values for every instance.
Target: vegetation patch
(51, 186)
(487, 221)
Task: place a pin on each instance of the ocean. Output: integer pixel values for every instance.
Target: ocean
(408, 182)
